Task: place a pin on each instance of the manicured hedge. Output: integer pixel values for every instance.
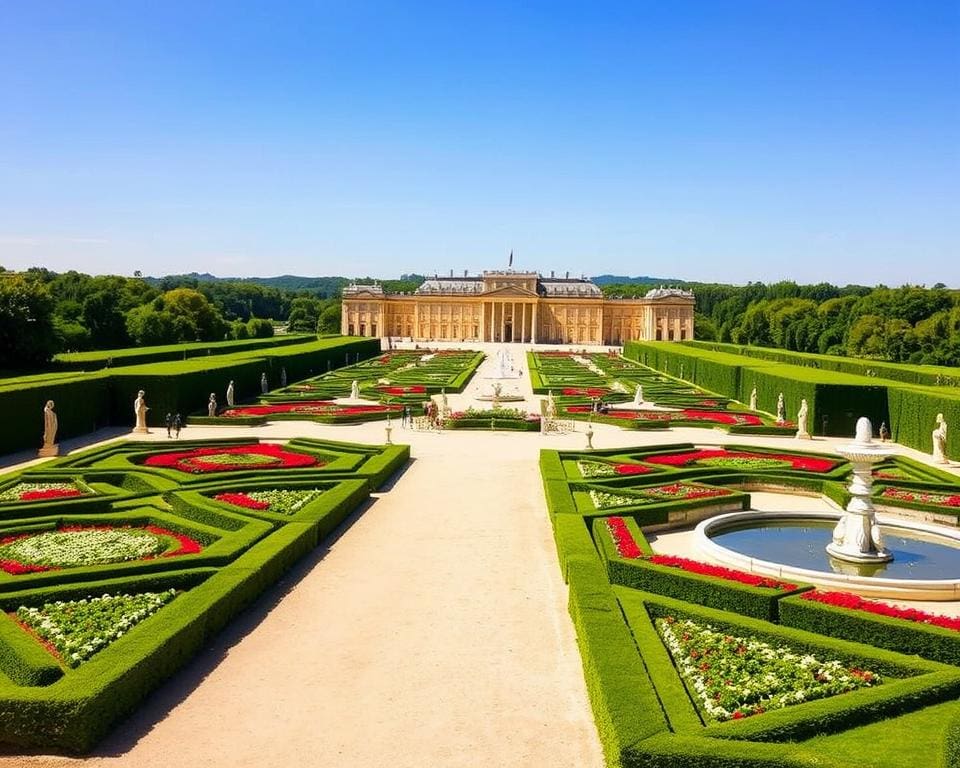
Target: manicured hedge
(92, 361)
(89, 401)
(43, 705)
(930, 642)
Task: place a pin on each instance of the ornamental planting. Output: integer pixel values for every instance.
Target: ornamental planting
(228, 459)
(75, 546)
(77, 629)
(735, 676)
(46, 491)
(278, 500)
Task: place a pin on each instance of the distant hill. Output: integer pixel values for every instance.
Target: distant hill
(331, 286)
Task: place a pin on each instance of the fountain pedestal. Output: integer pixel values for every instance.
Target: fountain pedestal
(857, 537)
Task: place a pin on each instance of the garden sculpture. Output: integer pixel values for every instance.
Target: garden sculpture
(212, 405)
(940, 441)
(781, 410)
(802, 421)
(49, 448)
(140, 411)
(230, 402)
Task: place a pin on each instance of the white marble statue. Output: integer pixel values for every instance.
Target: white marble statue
(802, 432)
(212, 405)
(283, 376)
(781, 409)
(140, 409)
(753, 399)
(355, 390)
(264, 385)
(551, 405)
(50, 447)
(638, 396)
(230, 402)
(940, 441)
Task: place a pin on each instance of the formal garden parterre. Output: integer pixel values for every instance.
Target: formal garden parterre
(688, 663)
(599, 386)
(108, 591)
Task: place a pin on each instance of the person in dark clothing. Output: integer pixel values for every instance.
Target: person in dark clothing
(169, 424)
(177, 425)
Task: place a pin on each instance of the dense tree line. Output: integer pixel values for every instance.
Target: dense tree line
(908, 324)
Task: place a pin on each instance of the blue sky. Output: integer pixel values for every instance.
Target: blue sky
(714, 140)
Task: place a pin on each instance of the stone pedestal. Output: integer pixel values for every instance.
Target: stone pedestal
(48, 450)
(857, 537)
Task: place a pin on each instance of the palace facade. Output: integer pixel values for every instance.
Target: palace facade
(521, 307)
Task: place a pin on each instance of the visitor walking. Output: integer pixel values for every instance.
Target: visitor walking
(169, 423)
(177, 425)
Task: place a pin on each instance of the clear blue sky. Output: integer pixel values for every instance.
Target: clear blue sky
(728, 141)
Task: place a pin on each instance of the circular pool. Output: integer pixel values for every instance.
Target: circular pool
(791, 545)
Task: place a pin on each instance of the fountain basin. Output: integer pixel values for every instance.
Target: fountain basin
(791, 546)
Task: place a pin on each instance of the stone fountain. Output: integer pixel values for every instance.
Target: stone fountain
(857, 537)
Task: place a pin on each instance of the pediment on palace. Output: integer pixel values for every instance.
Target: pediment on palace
(509, 292)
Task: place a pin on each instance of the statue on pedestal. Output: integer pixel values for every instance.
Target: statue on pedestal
(940, 441)
(50, 447)
(355, 390)
(802, 421)
(753, 399)
(230, 402)
(283, 376)
(781, 410)
(140, 409)
(264, 386)
(212, 405)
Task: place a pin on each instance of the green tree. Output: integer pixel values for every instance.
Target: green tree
(27, 337)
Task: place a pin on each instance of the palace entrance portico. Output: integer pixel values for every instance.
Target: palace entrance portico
(509, 318)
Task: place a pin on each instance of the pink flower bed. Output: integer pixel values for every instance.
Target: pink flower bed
(253, 456)
(627, 548)
(920, 497)
(857, 603)
(795, 461)
(585, 391)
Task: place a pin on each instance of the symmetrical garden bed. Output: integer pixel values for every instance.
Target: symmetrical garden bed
(107, 591)
(593, 386)
(688, 663)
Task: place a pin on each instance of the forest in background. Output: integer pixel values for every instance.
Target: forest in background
(42, 313)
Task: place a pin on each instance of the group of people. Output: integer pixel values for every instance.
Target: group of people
(175, 423)
(406, 417)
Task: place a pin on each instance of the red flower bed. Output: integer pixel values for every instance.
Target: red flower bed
(197, 461)
(316, 407)
(413, 389)
(241, 500)
(626, 546)
(188, 545)
(806, 463)
(631, 469)
(720, 417)
(705, 569)
(857, 603)
(585, 391)
(50, 493)
(919, 497)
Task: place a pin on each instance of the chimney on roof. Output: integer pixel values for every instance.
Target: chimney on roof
(451, 273)
(464, 273)
(568, 274)
(551, 273)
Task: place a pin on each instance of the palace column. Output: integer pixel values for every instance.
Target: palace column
(523, 324)
(513, 321)
(483, 319)
(503, 320)
(535, 312)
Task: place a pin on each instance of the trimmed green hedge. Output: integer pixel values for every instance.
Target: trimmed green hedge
(930, 642)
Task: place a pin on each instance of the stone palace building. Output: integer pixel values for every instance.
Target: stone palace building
(509, 306)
